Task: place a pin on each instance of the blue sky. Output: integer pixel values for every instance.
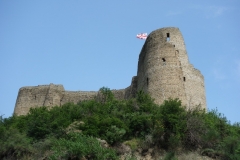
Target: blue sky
(86, 45)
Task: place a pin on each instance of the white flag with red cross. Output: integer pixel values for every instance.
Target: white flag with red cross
(142, 35)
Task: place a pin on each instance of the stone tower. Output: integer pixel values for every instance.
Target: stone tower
(164, 70)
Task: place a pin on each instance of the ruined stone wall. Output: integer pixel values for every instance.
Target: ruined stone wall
(54, 95)
(194, 87)
(130, 92)
(40, 95)
(77, 96)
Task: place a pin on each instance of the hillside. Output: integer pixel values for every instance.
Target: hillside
(107, 128)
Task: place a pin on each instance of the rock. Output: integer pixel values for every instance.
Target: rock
(103, 143)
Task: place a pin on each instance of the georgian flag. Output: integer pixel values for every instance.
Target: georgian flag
(142, 35)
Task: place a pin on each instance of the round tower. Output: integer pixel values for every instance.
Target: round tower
(159, 68)
(164, 70)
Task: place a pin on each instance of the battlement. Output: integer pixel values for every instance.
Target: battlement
(164, 71)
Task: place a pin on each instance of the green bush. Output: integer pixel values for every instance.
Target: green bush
(172, 116)
(105, 95)
(42, 148)
(133, 143)
(230, 147)
(42, 122)
(145, 102)
(140, 124)
(109, 128)
(217, 128)
(39, 123)
(77, 146)
(14, 145)
(115, 134)
(195, 130)
(211, 138)
(170, 156)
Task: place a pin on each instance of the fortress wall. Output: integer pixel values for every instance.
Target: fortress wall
(36, 96)
(77, 96)
(131, 91)
(27, 97)
(119, 94)
(133, 86)
(55, 95)
(194, 87)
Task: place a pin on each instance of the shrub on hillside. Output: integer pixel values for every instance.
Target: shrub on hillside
(230, 146)
(14, 145)
(39, 123)
(195, 129)
(171, 118)
(109, 128)
(105, 95)
(78, 146)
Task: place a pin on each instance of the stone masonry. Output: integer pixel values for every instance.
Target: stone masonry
(164, 72)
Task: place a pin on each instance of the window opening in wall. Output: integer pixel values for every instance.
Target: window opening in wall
(147, 81)
(173, 45)
(168, 37)
(164, 61)
(184, 79)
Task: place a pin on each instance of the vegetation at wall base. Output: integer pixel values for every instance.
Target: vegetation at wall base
(72, 131)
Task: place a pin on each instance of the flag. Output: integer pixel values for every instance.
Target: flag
(142, 35)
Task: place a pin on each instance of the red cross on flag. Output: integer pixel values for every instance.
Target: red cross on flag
(142, 35)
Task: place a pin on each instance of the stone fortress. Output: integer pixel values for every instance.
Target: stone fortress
(164, 72)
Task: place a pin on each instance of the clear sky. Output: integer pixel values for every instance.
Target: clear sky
(85, 45)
